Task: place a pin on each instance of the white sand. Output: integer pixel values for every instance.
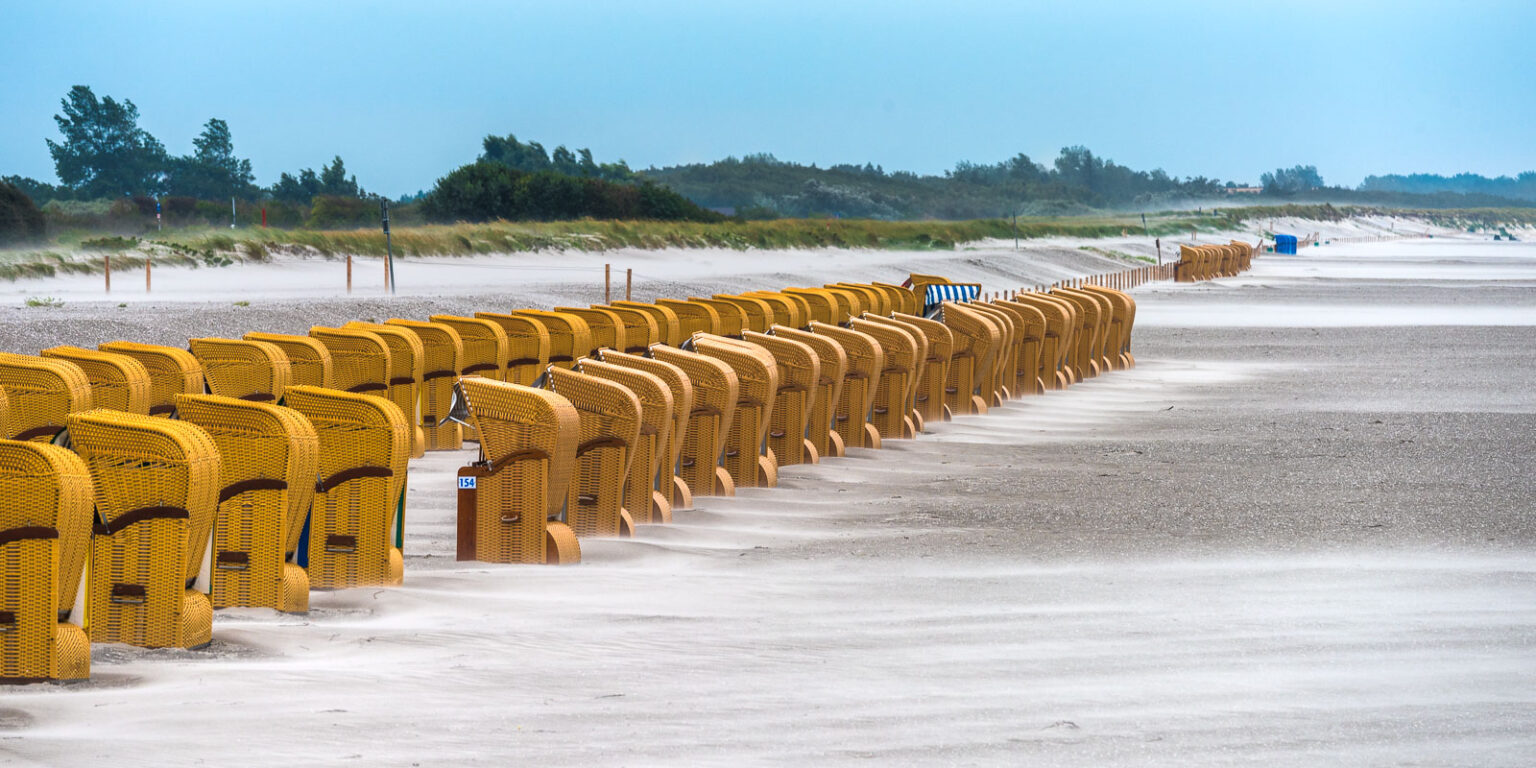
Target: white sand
(866, 612)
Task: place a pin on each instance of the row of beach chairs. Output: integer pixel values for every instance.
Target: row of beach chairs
(1207, 262)
(144, 486)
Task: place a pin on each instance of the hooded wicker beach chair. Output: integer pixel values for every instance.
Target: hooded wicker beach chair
(40, 395)
(732, 317)
(799, 371)
(850, 304)
(570, 338)
(512, 499)
(1118, 347)
(248, 370)
(1089, 331)
(821, 424)
(668, 484)
(715, 394)
(823, 306)
(360, 359)
(268, 457)
(874, 301)
(1105, 333)
(641, 329)
(485, 346)
(1052, 349)
(117, 381)
(156, 488)
(642, 498)
(747, 458)
(172, 372)
(527, 345)
(356, 524)
(1004, 364)
(860, 380)
(608, 330)
(668, 327)
(45, 539)
(903, 300)
(309, 362)
(757, 314)
(928, 397)
(1078, 354)
(788, 310)
(1030, 367)
(692, 317)
(441, 352)
(407, 366)
(976, 342)
(919, 367)
(609, 418)
(891, 407)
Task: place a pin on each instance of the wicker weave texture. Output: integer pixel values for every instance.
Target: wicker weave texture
(172, 372)
(799, 371)
(41, 394)
(609, 424)
(309, 362)
(641, 498)
(715, 392)
(667, 482)
(570, 338)
(527, 345)
(747, 457)
(248, 370)
(117, 381)
(860, 382)
(407, 366)
(669, 329)
(821, 429)
(442, 352)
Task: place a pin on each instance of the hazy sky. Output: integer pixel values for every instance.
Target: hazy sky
(405, 91)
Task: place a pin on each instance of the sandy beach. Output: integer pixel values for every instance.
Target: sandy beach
(1299, 532)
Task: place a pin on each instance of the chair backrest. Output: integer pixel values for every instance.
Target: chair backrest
(787, 310)
(609, 416)
(823, 305)
(570, 338)
(40, 395)
(117, 381)
(512, 419)
(172, 371)
(407, 363)
(757, 314)
(45, 494)
(485, 345)
(441, 352)
(692, 317)
(641, 328)
(681, 387)
(903, 300)
(527, 345)
(309, 362)
(249, 370)
(608, 329)
(360, 359)
(668, 327)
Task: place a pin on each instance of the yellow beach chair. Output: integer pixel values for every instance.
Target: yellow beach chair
(892, 405)
(570, 338)
(692, 317)
(248, 370)
(268, 457)
(1030, 367)
(511, 499)
(1005, 363)
(640, 328)
(117, 381)
(407, 366)
(903, 300)
(45, 539)
(172, 371)
(822, 305)
(919, 366)
(967, 390)
(157, 486)
(865, 362)
(360, 359)
(821, 425)
(668, 328)
(608, 330)
(748, 459)
(789, 311)
(527, 345)
(668, 484)
(715, 393)
(609, 417)
(356, 524)
(757, 314)
(939, 347)
(799, 371)
(441, 353)
(309, 362)
(40, 395)
(642, 499)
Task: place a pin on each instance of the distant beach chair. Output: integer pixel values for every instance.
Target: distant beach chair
(1055, 344)
(799, 371)
(1030, 367)
(360, 359)
(919, 365)
(570, 338)
(485, 346)
(822, 305)
(607, 328)
(733, 318)
(643, 500)
(668, 484)
(668, 327)
(748, 459)
(821, 424)
(692, 317)
(157, 485)
(976, 343)
(928, 399)
(903, 300)
(871, 300)
(46, 499)
(309, 362)
(117, 381)
(248, 370)
(757, 314)
(1000, 379)
(788, 311)
(715, 394)
(641, 328)
(527, 345)
(172, 371)
(609, 419)
(850, 303)
(41, 393)
(356, 523)
(441, 352)
(865, 362)
(407, 366)
(268, 458)
(891, 406)
(511, 499)
(1126, 318)
(1088, 336)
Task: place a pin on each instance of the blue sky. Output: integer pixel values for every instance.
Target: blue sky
(405, 91)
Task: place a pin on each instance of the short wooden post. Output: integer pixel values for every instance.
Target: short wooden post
(146, 273)
(107, 270)
(349, 273)
(607, 284)
(629, 283)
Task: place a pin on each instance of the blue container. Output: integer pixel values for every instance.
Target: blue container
(1285, 244)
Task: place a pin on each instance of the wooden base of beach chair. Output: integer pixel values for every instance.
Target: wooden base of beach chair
(871, 436)
(767, 471)
(682, 498)
(72, 648)
(811, 456)
(909, 428)
(661, 509)
(949, 415)
(626, 524)
(835, 444)
(560, 544)
(724, 485)
(295, 595)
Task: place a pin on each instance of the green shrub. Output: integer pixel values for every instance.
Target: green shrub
(20, 218)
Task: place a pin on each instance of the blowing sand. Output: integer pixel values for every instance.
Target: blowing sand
(1300, 532)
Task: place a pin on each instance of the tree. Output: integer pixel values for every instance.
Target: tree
(1289, 181)
(334, 180)
(104, 151)
(20, 220)
(212, 171)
